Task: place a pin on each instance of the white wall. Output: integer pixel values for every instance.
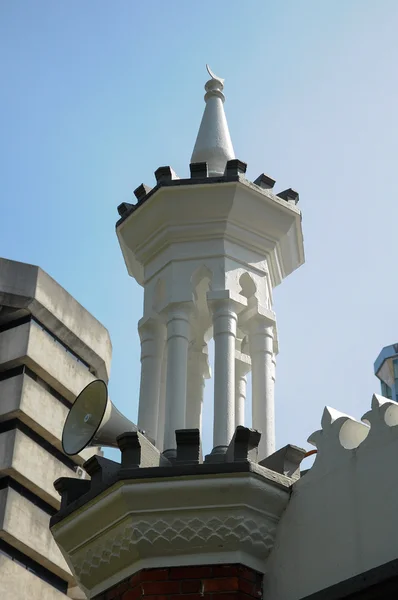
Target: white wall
(342, 518)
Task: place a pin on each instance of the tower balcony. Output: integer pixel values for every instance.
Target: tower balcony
(211, 217)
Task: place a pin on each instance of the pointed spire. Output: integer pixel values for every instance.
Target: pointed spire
(213, 144)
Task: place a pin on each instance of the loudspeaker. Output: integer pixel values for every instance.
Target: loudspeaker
(93, 420)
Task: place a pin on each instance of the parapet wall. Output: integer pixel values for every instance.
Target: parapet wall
(341, 520)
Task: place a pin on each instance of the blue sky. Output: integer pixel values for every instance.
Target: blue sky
(96, 95)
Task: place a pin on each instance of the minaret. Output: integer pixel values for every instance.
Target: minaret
(208, 250)
(165, 521)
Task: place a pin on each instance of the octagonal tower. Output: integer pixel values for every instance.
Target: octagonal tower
(208, 250)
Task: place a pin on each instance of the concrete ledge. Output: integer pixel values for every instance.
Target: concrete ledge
(24, 399)
(29, 345)
(28, 288)
(25, 526)
(18, 583)
(31, 465)
(246, 215)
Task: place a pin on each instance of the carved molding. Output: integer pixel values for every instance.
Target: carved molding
(143, 524)
(179, 535)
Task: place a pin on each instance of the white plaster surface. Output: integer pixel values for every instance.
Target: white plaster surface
(341, 520)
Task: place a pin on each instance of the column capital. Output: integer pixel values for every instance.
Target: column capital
(225, 299)
(149, 327)
(198, 358)
(242, 364)
(175, 310)
(256, 318)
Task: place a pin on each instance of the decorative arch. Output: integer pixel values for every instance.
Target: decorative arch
(201, 281)
(248, 287)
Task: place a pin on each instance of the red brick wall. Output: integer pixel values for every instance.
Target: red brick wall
(213, 582)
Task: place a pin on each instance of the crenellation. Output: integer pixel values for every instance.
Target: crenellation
(265, 182)
(343, 436)
(141, 192)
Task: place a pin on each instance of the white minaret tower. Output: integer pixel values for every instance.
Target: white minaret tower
(208, 250)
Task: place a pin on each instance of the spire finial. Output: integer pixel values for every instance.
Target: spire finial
(213, 144)
(213, 76)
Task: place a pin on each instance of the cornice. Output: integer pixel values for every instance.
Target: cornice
(246, 215)
(224, 517)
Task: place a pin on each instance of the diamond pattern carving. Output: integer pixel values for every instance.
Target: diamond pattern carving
(180, 535)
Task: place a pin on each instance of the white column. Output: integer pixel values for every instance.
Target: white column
(176, 385)
(273, 374)
(241, 370)
(162, 401)
(224, 325)
(263, 408)
(152, 339)
(195, 388)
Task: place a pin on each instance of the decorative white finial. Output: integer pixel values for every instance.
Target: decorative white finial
(213, 76)
(213, 144)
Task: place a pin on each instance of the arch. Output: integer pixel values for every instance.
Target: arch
(201, 281)
(248, 287)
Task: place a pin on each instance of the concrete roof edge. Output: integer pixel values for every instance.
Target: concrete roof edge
(29, 287)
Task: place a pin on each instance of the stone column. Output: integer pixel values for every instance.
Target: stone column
(273, 374)
(177, 362)
(241, 370)
(197, 363)
(152, 340)
(224, 325)
(263, 408)
(195, 389)
(162, 400)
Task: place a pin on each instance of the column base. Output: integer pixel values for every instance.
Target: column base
(217, 455)
(170, 454)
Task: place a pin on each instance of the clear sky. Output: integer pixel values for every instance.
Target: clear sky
(97, 94)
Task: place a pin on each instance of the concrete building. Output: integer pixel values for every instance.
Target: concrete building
(386, 369)
(50, 347)
(244, 522)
